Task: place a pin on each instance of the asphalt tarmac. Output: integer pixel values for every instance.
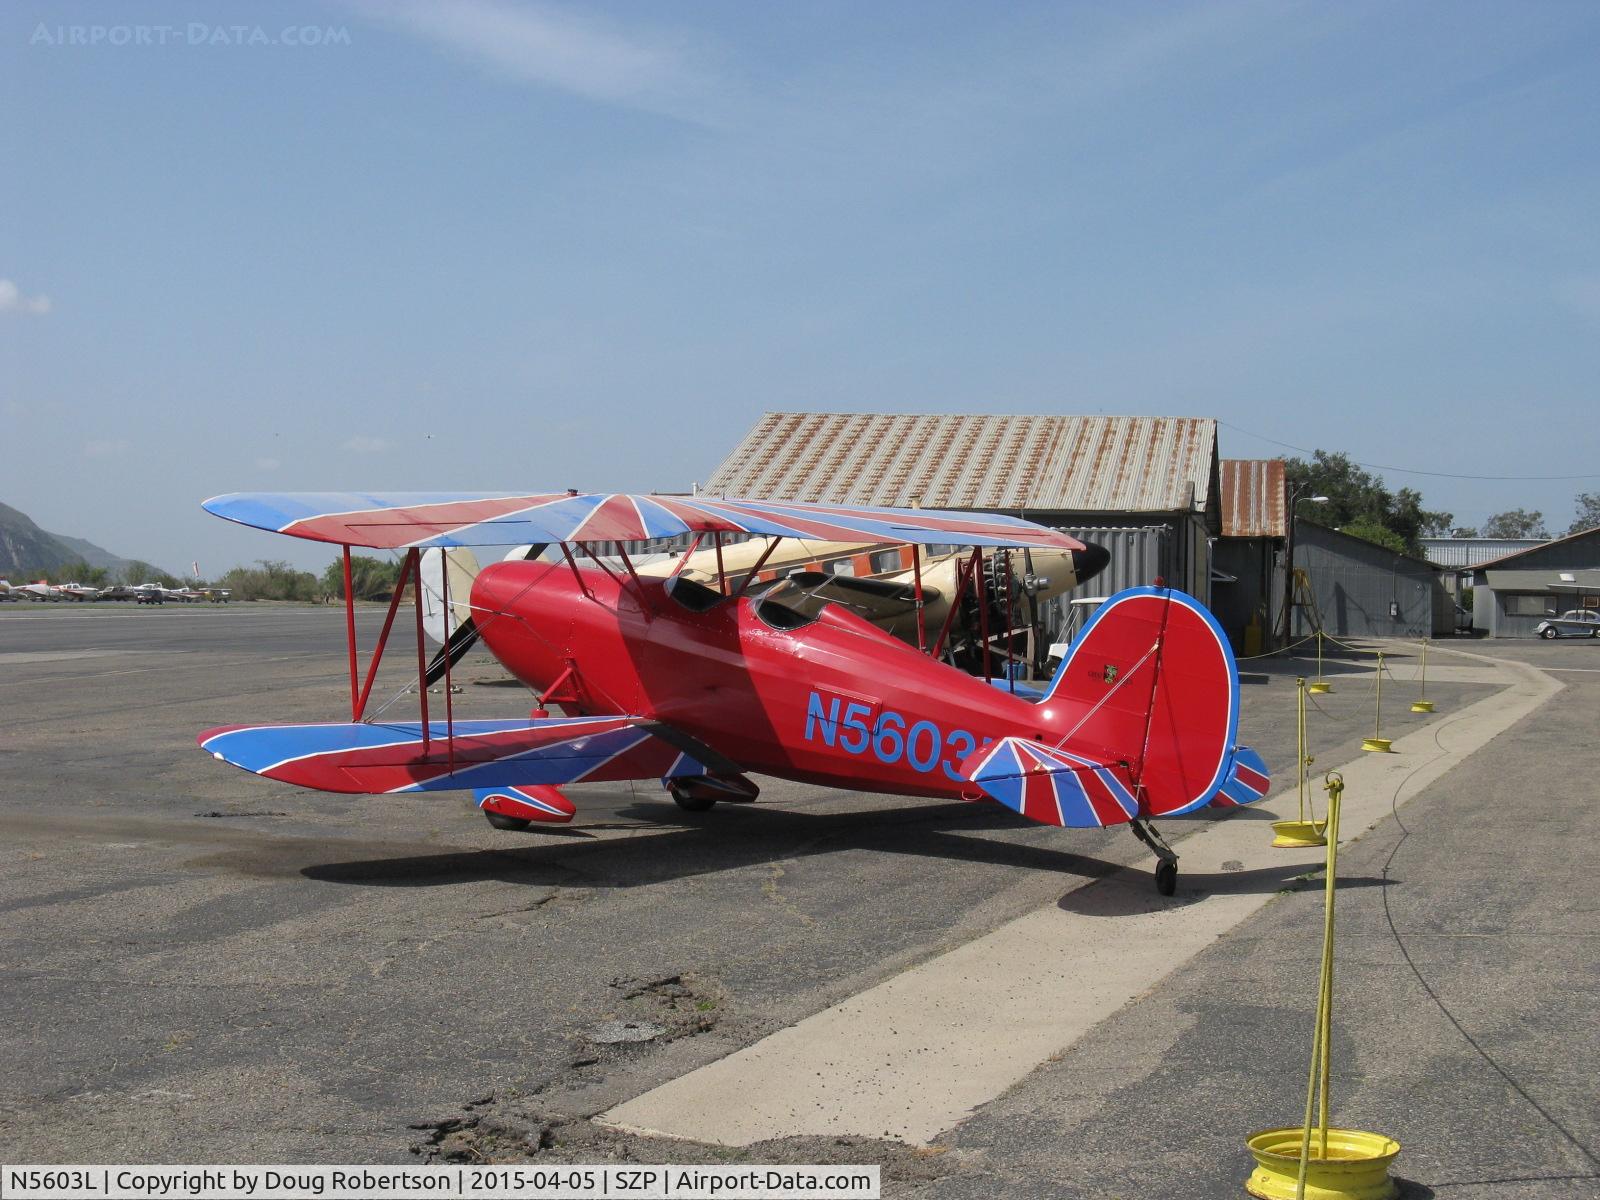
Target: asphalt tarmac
(201, 966)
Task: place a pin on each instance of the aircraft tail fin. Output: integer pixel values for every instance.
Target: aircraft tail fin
(1151, 695)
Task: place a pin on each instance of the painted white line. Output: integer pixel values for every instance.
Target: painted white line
(917, 1054)
(20, 657)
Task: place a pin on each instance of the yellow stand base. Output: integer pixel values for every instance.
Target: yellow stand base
(1356, 1168)
(1319, 688)
(1378, 745)
(1422, 706)
(1295, 834)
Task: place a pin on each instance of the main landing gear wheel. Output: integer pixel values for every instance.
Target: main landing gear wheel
(692, 803)
(500, 821)
(1167, 867)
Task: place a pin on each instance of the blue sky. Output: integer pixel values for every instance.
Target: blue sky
(506, 245)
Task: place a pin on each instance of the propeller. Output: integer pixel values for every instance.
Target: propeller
(452, 652)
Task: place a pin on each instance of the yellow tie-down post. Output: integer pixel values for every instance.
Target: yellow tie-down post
(1316, 1161)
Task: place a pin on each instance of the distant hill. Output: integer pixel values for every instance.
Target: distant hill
(24, 546)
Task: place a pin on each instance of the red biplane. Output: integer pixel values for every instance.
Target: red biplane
(698, 686)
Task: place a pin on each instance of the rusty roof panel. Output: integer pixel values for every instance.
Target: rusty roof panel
(1254, 503)
(1044, 463)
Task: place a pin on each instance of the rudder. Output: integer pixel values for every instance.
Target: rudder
(1151, 682)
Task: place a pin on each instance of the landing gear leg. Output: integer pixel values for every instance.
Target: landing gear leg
(1167, 867)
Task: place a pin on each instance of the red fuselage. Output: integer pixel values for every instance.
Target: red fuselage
(835, 702)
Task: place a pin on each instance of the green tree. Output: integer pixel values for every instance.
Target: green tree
(1588, 512)
(1371, 531)
(370, 578)
(82, 572)
(1355, 495)
(272, 579)
(1516, 523)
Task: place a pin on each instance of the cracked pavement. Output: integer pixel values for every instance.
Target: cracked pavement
(204, 966)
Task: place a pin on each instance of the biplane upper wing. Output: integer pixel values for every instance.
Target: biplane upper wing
(384, 758)
(402, 520)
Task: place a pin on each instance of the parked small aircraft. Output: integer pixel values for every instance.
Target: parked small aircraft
(40, 589)
(695, 685)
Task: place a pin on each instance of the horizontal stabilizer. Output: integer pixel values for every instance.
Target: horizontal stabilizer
(539, 802)
(1248, 780)
(378, 759)
(1052, 786)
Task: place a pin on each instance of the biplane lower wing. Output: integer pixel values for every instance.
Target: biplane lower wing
(376, 759)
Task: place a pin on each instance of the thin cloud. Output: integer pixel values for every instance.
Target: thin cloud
(268, 464)
(13, 301)
(362, 444)
(543, 45)
(105, 448)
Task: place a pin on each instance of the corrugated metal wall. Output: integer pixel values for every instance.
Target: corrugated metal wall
(1138, 555)
(1355, 582)
(1257, 590)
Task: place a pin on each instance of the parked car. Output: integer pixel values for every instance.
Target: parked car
(1575, 622)
(1463, 619)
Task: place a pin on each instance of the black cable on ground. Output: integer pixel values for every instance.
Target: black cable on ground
(1394, 809)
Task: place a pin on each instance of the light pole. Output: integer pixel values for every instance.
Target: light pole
(1288, 560)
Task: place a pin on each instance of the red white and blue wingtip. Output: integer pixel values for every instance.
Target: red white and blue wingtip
(405, 519)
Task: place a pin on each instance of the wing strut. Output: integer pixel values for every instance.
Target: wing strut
(383, 638)
(422, 658)
(449, 700)
(916, 576)
(967, 569)
(750, 577)
(350, 633)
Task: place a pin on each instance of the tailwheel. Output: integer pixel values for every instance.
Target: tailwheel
(695, 802)
(1166, 878)
(500, 821)
(1167, 866)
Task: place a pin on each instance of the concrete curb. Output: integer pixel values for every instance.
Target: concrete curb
(917, 1054)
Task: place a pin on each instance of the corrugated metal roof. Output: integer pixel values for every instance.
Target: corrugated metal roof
(968, 461)
(1529, 580)
(1571, 537)
(1253, 499)
(1472, 552)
